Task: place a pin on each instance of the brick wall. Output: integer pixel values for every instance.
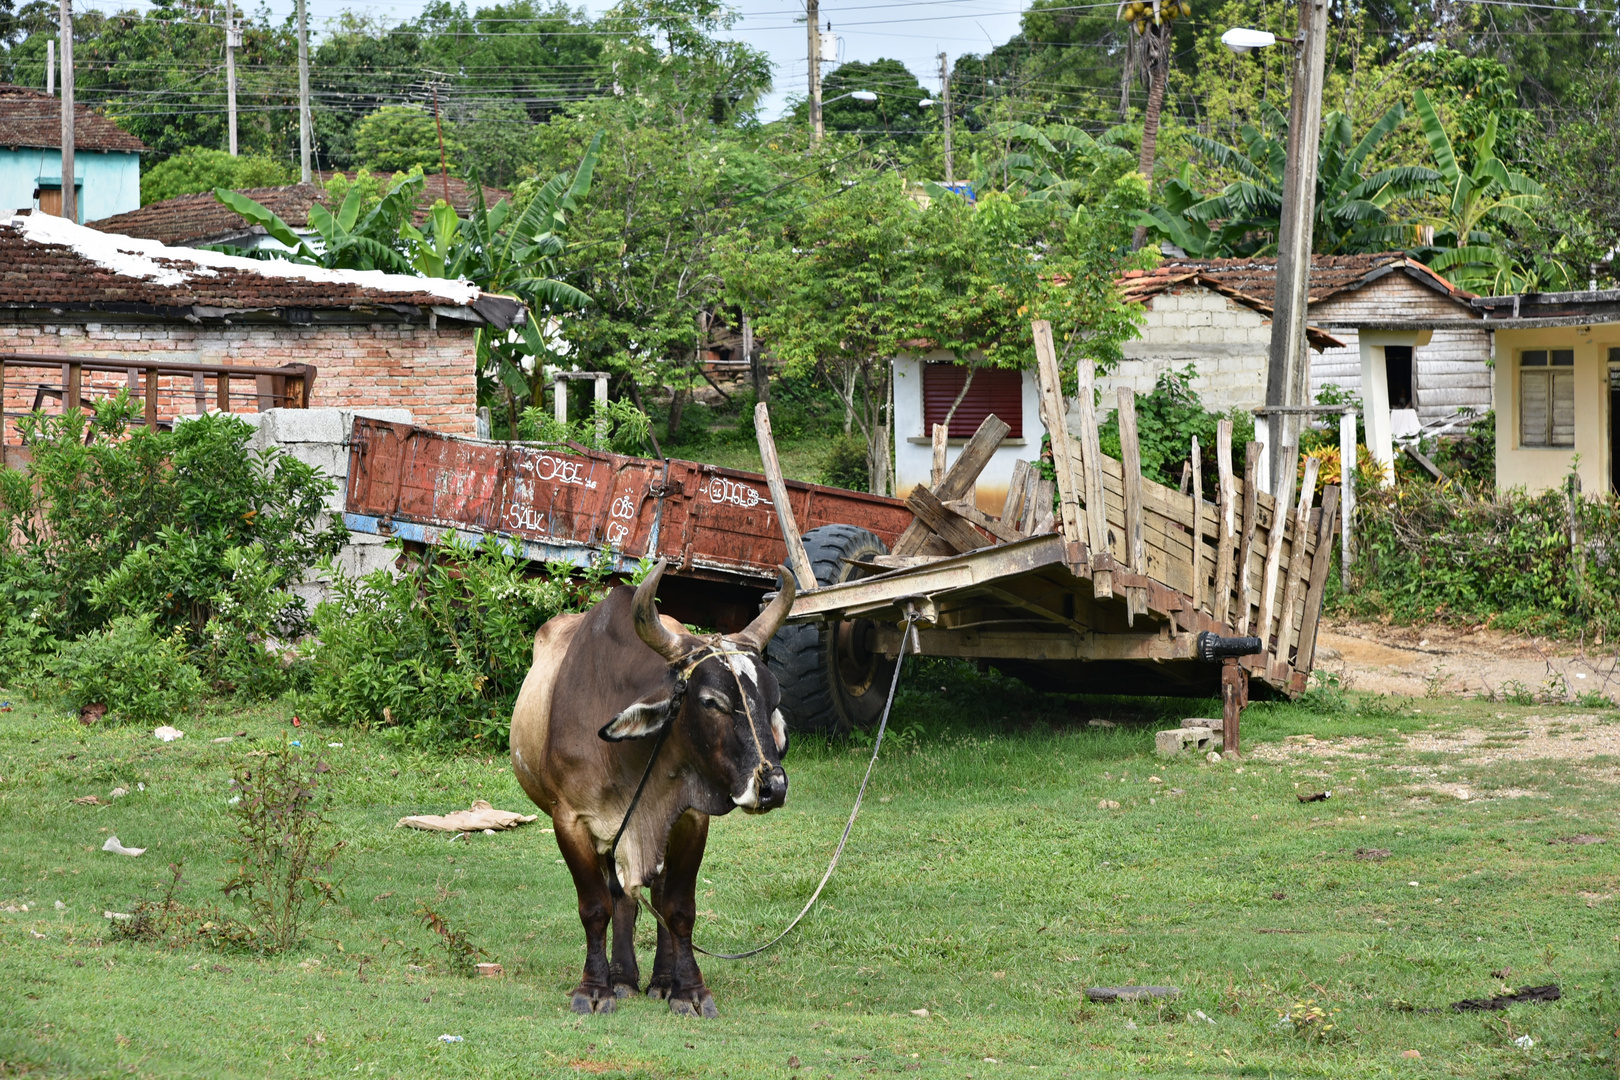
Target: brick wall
(1227, 342)
(362, 366)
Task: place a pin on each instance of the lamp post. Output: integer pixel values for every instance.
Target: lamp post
(1288, 370)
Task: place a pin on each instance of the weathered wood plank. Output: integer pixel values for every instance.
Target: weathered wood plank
(1102, 579)
(1070, 481)
(1198, 525)
(1012, 510)
(1299, 565)
(798, 558)
(945, 523)
(958, 480)
(1131, 462)
(1305, 655)
(972, 513)
(1251, 463)
(1274, 542)
(942, 437)
(1225, 559)
(1043, 519)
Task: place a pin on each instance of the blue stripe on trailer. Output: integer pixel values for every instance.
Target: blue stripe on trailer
(532, 550)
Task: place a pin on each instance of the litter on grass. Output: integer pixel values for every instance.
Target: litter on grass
(167, 733)
(450, 1038)
(116, 848)
(480, 817)
(1524, 1042)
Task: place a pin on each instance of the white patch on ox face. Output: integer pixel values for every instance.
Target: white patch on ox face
(742, 664)
(779, 730)
(749, 799)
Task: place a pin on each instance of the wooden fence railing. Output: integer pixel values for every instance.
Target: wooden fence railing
(290, 386)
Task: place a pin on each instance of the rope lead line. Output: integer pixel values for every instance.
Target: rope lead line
(908, 637)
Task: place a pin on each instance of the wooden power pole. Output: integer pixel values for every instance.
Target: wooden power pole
(945, 103)
(305, 136)
(233, 41)
(70, 196)
(1288, 374)
(812, 22)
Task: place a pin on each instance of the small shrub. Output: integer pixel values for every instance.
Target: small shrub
(459, 950)
(616, 426)
(284, 853)
(846, 464)
(136, 674)
(1166, 421)
(1310, 1021)
(171, 921)
(435, 656)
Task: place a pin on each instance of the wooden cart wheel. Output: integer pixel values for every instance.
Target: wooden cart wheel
(832, 681)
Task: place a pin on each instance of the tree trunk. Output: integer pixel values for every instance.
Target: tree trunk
(677, 403)
(1157, 42)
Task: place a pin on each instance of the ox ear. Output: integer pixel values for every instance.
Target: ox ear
(640, 720)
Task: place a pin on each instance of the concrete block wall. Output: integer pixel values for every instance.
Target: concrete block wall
(426, 370)
(1227, 342)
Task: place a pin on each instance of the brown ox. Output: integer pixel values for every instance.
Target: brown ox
(605, 686)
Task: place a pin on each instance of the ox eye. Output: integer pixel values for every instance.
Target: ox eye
(719, 704)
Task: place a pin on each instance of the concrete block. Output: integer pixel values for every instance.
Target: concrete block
(1199, 740)
(307, 425)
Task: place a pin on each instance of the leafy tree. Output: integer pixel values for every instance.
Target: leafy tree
(198, 169)
(895, 114)
(1472, 201)
(399, 138)
(1352, 208)
(1059, 164)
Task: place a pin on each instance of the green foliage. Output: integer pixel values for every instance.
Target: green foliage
(436, 655)
(284, 853)
(614, 425)
(1451, 552)
(845, 465)
(895, 115)
(403, 138)
(357, 237)
(198, 169)
(458, 947)
(1166, 421)
(111, 519)
(139, 676)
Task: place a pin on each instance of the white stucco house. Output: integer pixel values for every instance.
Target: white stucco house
(106, 158)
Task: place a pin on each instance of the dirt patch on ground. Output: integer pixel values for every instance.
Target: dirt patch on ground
(1577, 737)
(1446, 661)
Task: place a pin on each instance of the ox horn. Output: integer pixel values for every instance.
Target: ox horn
(769, 621)
(649, 627)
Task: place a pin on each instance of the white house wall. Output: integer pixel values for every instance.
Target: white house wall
(1227, 342)
(914, 445)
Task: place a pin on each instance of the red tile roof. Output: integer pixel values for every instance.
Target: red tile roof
(48, 262)
(30, 118)
(190, 220)
(1256, 279)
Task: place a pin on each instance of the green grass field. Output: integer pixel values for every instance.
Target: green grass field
(983, 883)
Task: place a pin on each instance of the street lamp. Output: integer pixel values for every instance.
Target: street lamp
(858, 95)
(1241, 39)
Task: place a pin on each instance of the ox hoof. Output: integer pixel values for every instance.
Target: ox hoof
(625, 989)
(659, 988)
(704, 1006)
(592, 1002)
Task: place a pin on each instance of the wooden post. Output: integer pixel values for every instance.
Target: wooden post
(1262, 435)
(559, 400)
(1234, 695)
(942, 435)
(1251, 503)
(1102, 577)
(1298, 567)
(1130, 451)
(1070, 485)
(1347, 482)
(1274, 542)
(959, 479)
(222, 392)
(2, 409)
(151, 399)
(798, 558)
(71, 388)
(1306, 653)
(1012, 511)
(1224, 556)
(1577, 551)
(599, 398)
(1196, 490)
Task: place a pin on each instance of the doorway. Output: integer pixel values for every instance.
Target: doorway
(1398, 374)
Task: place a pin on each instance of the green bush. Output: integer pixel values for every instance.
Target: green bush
(138, 675)
(1166, 421)
(437, 655)
(197, 170)
(846, 465)
(110, 519)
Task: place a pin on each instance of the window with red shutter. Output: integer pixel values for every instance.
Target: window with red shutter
(994, 390)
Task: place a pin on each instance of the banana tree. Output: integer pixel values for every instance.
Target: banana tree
(1057, 163)
(1352, 208)
(349, 239)
(1464, 246)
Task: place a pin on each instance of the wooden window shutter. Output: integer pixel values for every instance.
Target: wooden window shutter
(994, 390)
(1562, 430)
(1533, 393)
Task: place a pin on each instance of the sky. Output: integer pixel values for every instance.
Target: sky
(914, 32)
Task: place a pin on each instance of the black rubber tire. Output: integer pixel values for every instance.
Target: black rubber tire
(830, 682)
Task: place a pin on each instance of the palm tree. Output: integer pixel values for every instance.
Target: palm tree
(1153, 25)
(1488, 193)
(1054, 164)
(1352, 209)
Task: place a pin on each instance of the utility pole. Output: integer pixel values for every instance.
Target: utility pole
(70, 197)
(444, 169)
(812, 22)
(305, 137)
(50, 67)
(945, 103)
(1288, 375)
(233, 41)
